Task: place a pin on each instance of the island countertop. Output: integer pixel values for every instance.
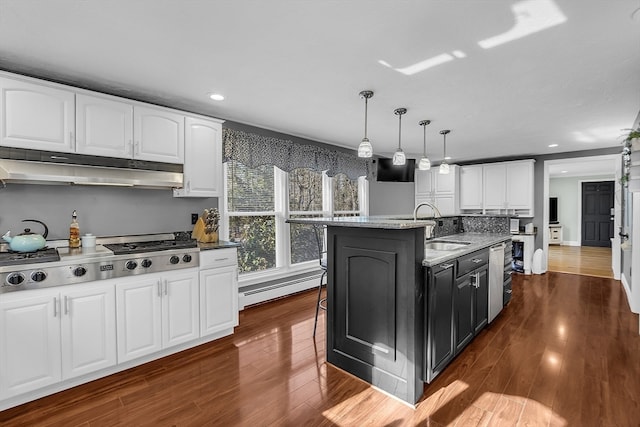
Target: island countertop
(477, 241)
(366, 222)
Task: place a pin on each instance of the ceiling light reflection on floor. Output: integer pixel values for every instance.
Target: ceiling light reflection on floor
(531, 16)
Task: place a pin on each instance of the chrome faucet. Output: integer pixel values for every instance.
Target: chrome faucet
(436, 212)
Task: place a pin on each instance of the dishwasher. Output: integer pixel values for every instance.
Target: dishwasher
(496, 271)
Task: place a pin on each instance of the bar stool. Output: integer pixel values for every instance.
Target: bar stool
(319, 231)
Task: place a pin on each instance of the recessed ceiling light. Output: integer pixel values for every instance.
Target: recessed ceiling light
(553, 145)
(216, 97)
(448, 158)
(564, 171)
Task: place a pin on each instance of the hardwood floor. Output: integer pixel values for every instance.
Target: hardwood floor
(587, 260)
(565, 352)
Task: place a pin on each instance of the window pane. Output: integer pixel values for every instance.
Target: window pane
(305, 245)
(305, 190)
(249, 190)
(345, 193)
(257, 235)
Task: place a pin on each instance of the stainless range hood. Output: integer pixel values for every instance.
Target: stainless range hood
(99, 173)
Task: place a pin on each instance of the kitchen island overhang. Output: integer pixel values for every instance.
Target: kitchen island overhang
(376, 310)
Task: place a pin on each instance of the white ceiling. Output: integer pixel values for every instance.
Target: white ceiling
(570, 77)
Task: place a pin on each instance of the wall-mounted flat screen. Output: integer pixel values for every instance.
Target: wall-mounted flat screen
(388, 172)
(553, 210)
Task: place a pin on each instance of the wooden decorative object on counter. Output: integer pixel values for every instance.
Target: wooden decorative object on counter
(206, 228)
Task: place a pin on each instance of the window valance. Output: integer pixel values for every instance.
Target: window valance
(255, 150)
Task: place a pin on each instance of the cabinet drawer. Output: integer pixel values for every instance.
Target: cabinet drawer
(218, 258)
(472, 261)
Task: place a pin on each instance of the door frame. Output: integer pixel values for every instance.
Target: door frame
(615, 244)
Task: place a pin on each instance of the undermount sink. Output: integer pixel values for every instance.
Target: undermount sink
(445, 246)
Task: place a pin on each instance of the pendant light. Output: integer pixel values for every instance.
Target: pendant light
(444, 166)
(425, 163)
(365, 149)
(399, 158)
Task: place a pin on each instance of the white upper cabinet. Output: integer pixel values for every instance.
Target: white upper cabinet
(52, 117)
(471, 187)
(158, 135)
(36, 116)
(202, 159)
(495, 185)
(498, 188)
(104, 127)
(440, 190)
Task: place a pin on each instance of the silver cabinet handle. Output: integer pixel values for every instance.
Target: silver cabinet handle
(137, 148)
(55, 307)
(159, 288)
(508, 291)
(476, 260)
(221, 259)
(166, 287)
(446, 266)
(71, 141)
(66, 304)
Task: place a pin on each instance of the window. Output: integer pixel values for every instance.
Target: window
(251, 215)
(258, 201)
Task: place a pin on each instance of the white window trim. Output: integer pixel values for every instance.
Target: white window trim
(281, 212)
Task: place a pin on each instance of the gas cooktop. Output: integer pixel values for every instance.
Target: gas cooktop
(65, 266)
(17, 258)
(150, 246)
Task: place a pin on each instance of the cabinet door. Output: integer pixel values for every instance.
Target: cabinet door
(423, 184)
(180, 308)
(463, 312)
(447, 183)
(471, 187)
(494, 183)
(103, 127)
(88, 329)
(519, 185)
(158, 135)
(138, 317)
(202, 159)
(481, 300)
(440, 317)
(29, 342)
(36, 117)
(218, 300)
(446, 205)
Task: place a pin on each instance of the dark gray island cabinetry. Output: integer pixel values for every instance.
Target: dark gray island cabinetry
(396, 306)
(375, 307)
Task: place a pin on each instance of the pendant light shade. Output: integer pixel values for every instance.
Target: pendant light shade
(444, 166)
(399, 158)
(424, 164)
(365, 149)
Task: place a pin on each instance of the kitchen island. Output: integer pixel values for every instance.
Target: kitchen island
(377, 303)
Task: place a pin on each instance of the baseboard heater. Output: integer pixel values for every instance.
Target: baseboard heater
(266, 291)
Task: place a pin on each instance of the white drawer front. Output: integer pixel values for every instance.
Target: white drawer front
(218, 258)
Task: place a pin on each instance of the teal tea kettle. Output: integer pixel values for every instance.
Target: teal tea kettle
(27, 241)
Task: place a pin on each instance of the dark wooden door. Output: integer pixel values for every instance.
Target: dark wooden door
(440, 318)
(481, 300)
(597, 218)
(463, 312)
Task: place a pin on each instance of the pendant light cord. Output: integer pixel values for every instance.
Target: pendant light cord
(399, 131)
(366, 102)
(424, 139)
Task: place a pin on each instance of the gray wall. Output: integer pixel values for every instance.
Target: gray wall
(103, 211)
(568, 191)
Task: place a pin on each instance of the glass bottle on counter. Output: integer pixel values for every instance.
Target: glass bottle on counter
(74, 231)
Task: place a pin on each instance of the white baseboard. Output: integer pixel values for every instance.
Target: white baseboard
(277, 290)
(570, 243)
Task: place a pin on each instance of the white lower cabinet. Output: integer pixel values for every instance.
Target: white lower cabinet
(55, 334)
(156, 312)
(218, 291)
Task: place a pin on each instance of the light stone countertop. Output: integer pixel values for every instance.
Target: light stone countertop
(367, 222)
(477, 241)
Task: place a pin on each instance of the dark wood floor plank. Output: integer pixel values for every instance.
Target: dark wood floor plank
(564, 352)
